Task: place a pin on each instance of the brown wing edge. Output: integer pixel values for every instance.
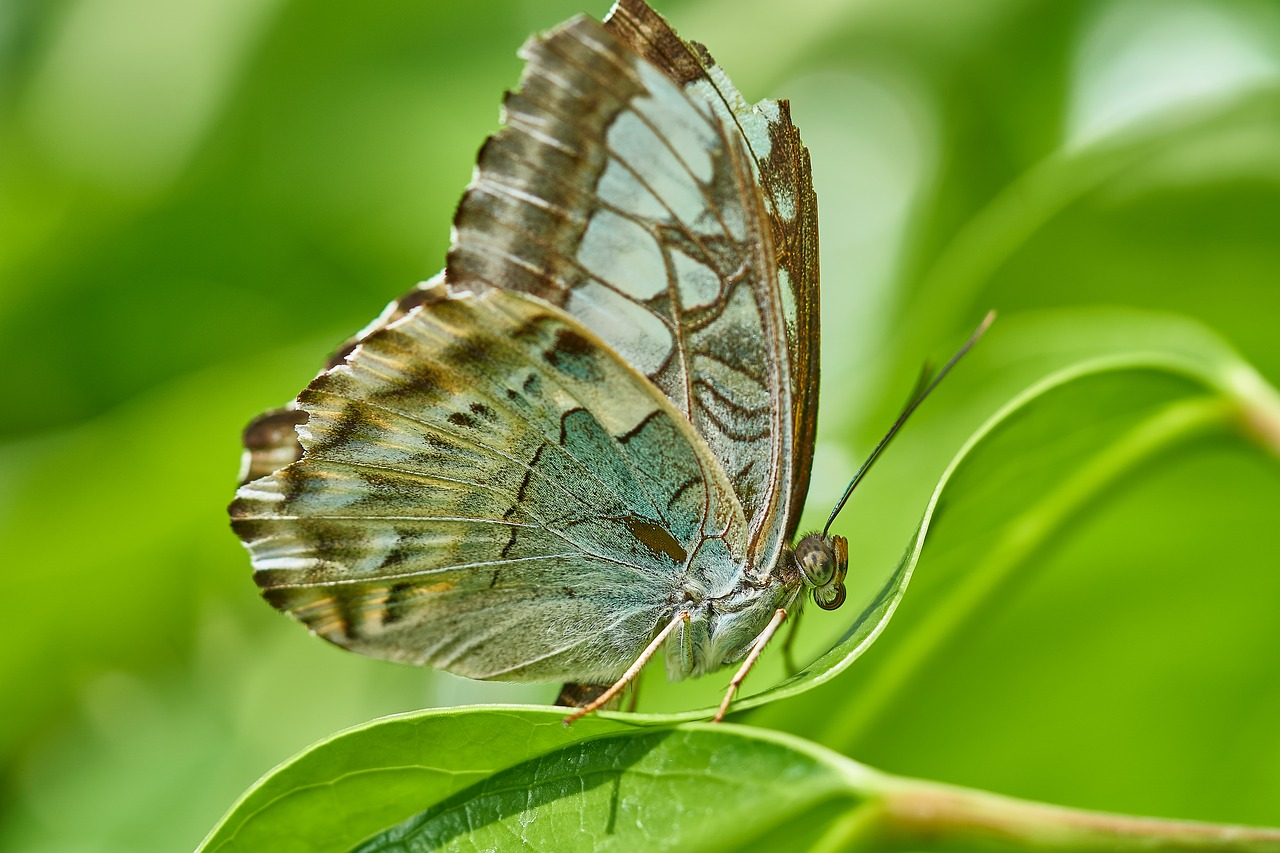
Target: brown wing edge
(798, 255)
(648, 34)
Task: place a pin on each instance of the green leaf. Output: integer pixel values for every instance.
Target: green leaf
(490, 777)
(507, 777)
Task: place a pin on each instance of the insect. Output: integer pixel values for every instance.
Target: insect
(589, 438)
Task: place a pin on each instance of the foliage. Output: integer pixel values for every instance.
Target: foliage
(202, 198)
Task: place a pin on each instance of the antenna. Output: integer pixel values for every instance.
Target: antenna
(917, 397)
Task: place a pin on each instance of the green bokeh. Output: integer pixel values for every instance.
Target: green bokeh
(199, 199)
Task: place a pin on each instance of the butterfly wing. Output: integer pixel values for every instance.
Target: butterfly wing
(785, 181)
(488, 489)
(524, 488)
(626, 188)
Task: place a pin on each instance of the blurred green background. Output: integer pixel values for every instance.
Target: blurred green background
(200, 199)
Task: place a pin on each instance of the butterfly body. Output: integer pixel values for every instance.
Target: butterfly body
(722, 629)
(595, 427)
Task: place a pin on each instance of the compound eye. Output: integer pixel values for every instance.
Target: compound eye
(816, 561)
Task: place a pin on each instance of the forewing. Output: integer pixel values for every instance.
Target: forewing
(488, 489)
(634, 202)
(781, 164)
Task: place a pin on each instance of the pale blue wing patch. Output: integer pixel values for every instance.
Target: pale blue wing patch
(487, 489)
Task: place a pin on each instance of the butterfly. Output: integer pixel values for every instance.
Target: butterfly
(590, 437)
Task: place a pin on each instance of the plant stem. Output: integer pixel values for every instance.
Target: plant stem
(1260, 410)
(925, 815)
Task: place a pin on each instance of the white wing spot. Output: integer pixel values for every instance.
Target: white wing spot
(754, 120)
(377, 548)
(620, 252)
(277, 564)
(264, 491)
(782, 204)
(697, 282)
(638, 335)
(619, 188)
(633, 142)
(790, 311)
(678, 120)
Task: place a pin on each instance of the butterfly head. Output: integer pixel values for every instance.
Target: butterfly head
(823, 561)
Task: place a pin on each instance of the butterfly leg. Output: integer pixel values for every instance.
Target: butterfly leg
(632, 671)
(752, 657)
(788, 656)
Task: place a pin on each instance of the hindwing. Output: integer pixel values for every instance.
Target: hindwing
(488, 489)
